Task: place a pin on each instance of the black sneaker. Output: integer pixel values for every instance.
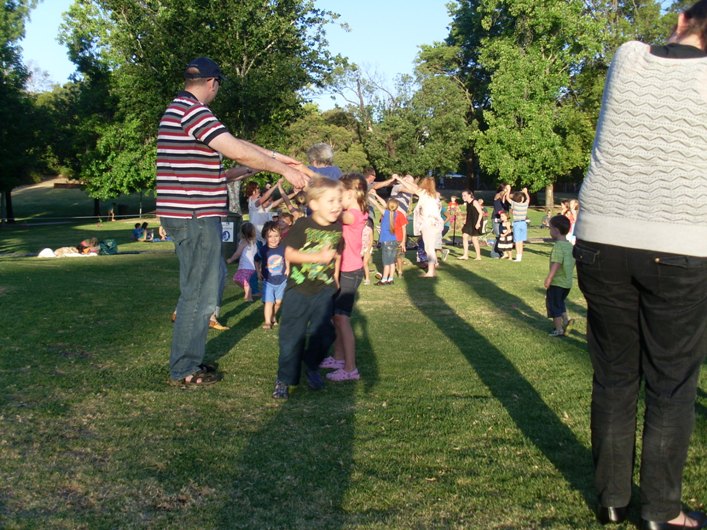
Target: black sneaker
(280, 391)
(314, 380)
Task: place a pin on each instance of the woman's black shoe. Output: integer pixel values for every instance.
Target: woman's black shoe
(611, 514)
(699, 517)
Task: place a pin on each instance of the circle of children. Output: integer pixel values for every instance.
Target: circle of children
(313, 255)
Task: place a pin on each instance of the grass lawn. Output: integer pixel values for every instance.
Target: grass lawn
(467, 415)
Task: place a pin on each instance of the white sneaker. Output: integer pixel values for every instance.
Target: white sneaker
(445, 253)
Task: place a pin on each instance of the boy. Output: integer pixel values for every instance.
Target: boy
(274, 272)
(311, 248)
(559, 280)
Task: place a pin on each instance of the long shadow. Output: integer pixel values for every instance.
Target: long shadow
(538, 423)
(295, 470)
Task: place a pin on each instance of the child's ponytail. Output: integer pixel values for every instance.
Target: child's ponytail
(392, 206)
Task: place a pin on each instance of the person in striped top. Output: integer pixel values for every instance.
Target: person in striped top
(191, 199)
(520, 201)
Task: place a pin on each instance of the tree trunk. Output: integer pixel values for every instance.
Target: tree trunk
(96, 207)
(550, 197)
(9, 211)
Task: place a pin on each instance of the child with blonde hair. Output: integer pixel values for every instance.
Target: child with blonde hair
(311, 248)
(392, 222)
(351, 273)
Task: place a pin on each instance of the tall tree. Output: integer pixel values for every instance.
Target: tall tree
(268, 50)
(18, 136)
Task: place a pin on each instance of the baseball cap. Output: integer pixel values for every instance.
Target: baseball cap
(204, 67)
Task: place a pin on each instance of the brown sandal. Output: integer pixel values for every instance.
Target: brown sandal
(199, 378)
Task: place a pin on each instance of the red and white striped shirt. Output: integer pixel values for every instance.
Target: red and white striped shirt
(190, 181)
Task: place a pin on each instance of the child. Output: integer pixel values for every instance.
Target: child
(245, 253)
(311, 249)
(274, 271)
(559, 280)
(366, 250)
(504, 243)
(520, 201)
(392, 221)
(259, 207)
(574, 210)
(354, 220)
(285, 223)
(137, 233)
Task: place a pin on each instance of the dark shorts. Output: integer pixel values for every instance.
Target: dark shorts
(555, 301)
(344, 299)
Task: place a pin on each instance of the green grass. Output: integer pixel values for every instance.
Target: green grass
(467, 415)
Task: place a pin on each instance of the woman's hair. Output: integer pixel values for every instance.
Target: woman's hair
(696, 18)
(564, 203)
(321, 153)
(270, 226)
(248, 231)
(392, 206)
(319, 185)
(428, 184)
(251, 187)
(357, 183)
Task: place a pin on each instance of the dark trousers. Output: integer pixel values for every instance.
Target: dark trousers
(302, 315)
(646, 320)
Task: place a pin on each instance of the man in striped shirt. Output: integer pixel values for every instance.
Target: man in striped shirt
(191, 199)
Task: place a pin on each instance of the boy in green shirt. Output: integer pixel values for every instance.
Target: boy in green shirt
(559, 280)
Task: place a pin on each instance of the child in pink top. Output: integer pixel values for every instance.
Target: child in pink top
(350, 273)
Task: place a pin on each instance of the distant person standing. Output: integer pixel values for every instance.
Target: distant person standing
(472, 225)
(321, 160)
(191, 199)
(646, 288)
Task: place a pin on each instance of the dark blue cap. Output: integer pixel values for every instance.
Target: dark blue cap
(202, 67)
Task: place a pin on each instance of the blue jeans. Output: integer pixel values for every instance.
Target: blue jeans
(198, 247)
(646, 319)
(302, 315)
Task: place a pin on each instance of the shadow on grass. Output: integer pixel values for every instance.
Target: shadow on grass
(538, 423)
(294, 472)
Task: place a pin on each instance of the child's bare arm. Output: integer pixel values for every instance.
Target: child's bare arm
(554, 267)
(237, 253)
(296, 256)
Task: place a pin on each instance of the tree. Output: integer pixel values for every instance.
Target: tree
(268, 50)
(335, 127)
(536, 72)
(18, 137)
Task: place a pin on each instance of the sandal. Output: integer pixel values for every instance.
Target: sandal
(199, 378)
(267, 326)
(208, 367)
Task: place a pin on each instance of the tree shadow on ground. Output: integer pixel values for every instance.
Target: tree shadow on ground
(527, 408)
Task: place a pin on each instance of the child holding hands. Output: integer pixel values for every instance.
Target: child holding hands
(311, 248)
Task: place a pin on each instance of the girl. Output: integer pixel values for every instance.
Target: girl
(351, 273)
(504, 246)
(472, 224)
(259, 206)
(427, 221)
(391, 223)
(366, 250)
(574, 210)
(274, 272)
(246, 251)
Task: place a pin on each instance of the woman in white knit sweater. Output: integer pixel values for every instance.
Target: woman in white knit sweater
(646, 289)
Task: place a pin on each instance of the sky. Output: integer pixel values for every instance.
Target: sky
(384, 36)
